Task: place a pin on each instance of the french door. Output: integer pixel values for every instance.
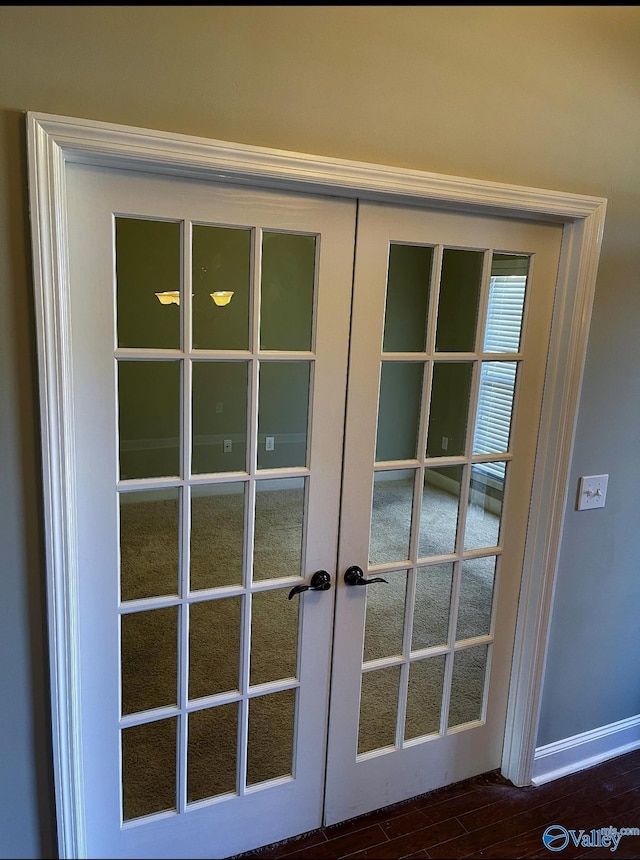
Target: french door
(209, 456)
(450, 330)
(288, 618)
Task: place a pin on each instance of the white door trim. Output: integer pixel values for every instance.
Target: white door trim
(54, 141)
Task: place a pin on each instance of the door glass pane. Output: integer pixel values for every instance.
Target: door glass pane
(476, 597)
(495, 407)
(211, 752)
(274, 636)
(149, 418)
(399, 410)
(217, 535)
(384, 624)
(149, 768)
(279, 522)
(148, 278)
(432, 606)
(287, 288)
(378, 708)
(467, 685)
(459, 300)
(449, 410)
(408, 286)
(486, 497)
(283, 414)
(149, 531)
(271, 730)
(507, 288)
(391, 515)
(149, 649)
(221, 263)
(214, 646)
(220, 393)
(424, 697)
(439, 515)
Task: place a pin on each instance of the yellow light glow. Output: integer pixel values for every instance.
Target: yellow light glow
(171, 297)
(222, 297)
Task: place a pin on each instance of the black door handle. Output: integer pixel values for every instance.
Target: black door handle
(354, 576)
(320, 581)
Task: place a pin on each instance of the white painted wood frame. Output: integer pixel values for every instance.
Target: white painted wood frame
(53, 141)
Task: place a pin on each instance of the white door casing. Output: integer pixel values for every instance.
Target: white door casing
(54, 142)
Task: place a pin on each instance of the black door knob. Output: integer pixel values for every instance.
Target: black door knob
(320, 581)
(354, 576)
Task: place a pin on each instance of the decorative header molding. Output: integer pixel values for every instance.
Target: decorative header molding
(91, 142)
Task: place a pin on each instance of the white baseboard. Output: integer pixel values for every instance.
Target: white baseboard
(581, 751)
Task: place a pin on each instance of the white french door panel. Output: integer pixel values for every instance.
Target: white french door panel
(362, 777)
(253, 814)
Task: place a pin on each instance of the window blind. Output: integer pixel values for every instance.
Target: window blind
(497, 378)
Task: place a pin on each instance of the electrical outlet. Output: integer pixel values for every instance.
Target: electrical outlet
(219, 408)
(269, 443)
(592, 492)
(445, 443)
(227, 446)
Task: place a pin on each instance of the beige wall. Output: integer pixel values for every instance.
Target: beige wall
(545, 96)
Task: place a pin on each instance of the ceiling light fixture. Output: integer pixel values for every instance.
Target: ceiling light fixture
(171, 297)
(222, 297)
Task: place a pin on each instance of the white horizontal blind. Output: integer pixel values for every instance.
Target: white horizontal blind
(504, 316)
(497, 378)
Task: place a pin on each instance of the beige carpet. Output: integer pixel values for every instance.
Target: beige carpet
(149, 639)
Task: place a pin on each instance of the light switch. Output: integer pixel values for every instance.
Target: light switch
(592, 492)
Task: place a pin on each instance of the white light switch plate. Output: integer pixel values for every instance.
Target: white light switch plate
(592, 492)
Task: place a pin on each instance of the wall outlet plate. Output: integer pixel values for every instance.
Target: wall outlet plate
(592, 492)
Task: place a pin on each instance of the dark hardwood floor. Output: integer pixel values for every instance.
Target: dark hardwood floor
(486, 817)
